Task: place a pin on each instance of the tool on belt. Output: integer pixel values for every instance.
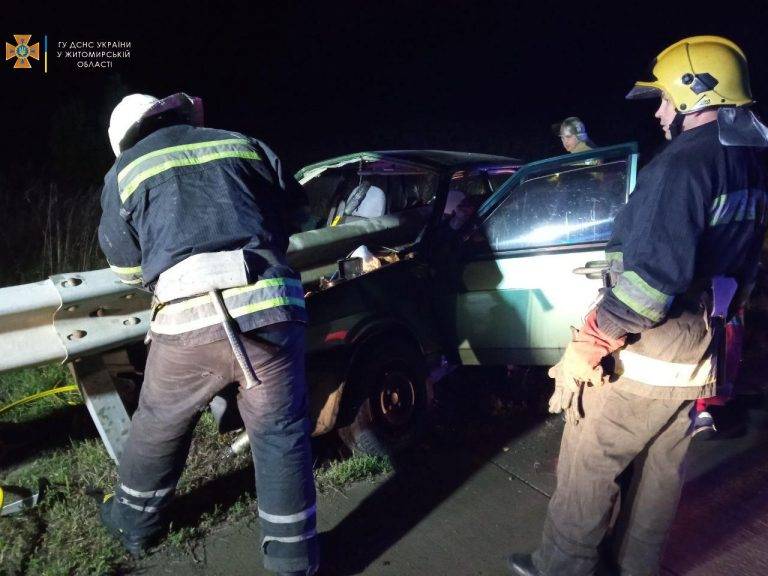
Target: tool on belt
(211, 272)
(233, 336)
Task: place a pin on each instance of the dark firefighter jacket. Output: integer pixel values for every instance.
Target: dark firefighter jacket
(184, 190)
(698, 210)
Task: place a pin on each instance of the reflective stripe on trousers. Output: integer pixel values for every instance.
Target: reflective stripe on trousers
(179, 382)
(146, 501)
(288, 528)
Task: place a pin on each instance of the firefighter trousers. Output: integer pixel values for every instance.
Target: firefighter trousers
(178, 385)
(619, 430)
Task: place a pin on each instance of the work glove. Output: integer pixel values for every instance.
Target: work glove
(581, 360)
(580, 366)
(567, 394)
(566, 389)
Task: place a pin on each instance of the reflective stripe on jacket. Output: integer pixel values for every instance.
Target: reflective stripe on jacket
(182, 191)
(248, 305)
(655, 372)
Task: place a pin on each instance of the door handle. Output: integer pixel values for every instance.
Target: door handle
(594, 270)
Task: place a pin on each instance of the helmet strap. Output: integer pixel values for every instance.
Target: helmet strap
(676, 126)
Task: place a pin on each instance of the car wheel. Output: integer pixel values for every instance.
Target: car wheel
(385, 400)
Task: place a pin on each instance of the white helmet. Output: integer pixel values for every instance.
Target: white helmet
(127, 113)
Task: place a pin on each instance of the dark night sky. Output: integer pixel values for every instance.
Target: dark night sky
(317, 79)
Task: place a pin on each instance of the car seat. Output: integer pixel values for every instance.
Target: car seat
(364, 201)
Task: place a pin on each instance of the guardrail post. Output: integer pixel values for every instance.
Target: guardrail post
(104, 403)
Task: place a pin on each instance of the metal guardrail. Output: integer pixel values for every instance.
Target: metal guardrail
(69, 315)
(73, 318)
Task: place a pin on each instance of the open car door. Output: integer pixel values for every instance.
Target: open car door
(530, 266)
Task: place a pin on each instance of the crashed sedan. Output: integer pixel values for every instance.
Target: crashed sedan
(456, 257)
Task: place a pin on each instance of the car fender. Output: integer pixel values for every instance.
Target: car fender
(329, 376)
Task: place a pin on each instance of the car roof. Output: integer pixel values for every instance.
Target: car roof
(439, 159)
(449, 159)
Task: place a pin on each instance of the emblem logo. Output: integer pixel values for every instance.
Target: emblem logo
(22, 51)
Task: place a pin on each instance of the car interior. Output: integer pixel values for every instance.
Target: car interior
(367, 190)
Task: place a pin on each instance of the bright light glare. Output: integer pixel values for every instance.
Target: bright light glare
(558, 231)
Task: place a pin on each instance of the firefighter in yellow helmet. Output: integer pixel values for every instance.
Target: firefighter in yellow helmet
(690, 234)
(698, 74)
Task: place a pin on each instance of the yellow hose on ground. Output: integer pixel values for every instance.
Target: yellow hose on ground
(38, 396)
(32, 398)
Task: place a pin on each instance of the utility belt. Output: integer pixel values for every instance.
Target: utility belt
(185, 293)
(201, 273)
(689, 348)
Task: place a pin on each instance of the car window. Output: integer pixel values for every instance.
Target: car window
(573, 206)
(367, 191)
(322, 192)
(468, 184)
(404, 191)
(468, 189)
(473, 183)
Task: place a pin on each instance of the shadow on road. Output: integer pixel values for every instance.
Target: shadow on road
(492, 414)
(720, 525)
(22, 442)
(480, 412)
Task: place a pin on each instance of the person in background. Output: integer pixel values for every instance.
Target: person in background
(574, 137)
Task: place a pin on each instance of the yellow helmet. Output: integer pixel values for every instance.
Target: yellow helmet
(699, 72)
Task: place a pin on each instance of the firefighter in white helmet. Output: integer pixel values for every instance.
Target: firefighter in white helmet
(202, 218)
(692, 229)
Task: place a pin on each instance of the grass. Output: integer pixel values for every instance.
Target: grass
(337, 474)
(23, 383)
(62, 536)
(50, 228)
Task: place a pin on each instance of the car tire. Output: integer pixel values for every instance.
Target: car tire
(385, 400)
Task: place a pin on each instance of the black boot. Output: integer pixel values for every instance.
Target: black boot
(136, 542)
(522, 565)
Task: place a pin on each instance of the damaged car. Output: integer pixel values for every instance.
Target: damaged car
(457, 258)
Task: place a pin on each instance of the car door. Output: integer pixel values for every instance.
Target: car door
(530, 267)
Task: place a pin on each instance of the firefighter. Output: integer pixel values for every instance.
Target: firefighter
(199, 215)
(697, 217)
(574, 137)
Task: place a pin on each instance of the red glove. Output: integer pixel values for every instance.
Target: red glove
(581, 361)
(595, 343)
